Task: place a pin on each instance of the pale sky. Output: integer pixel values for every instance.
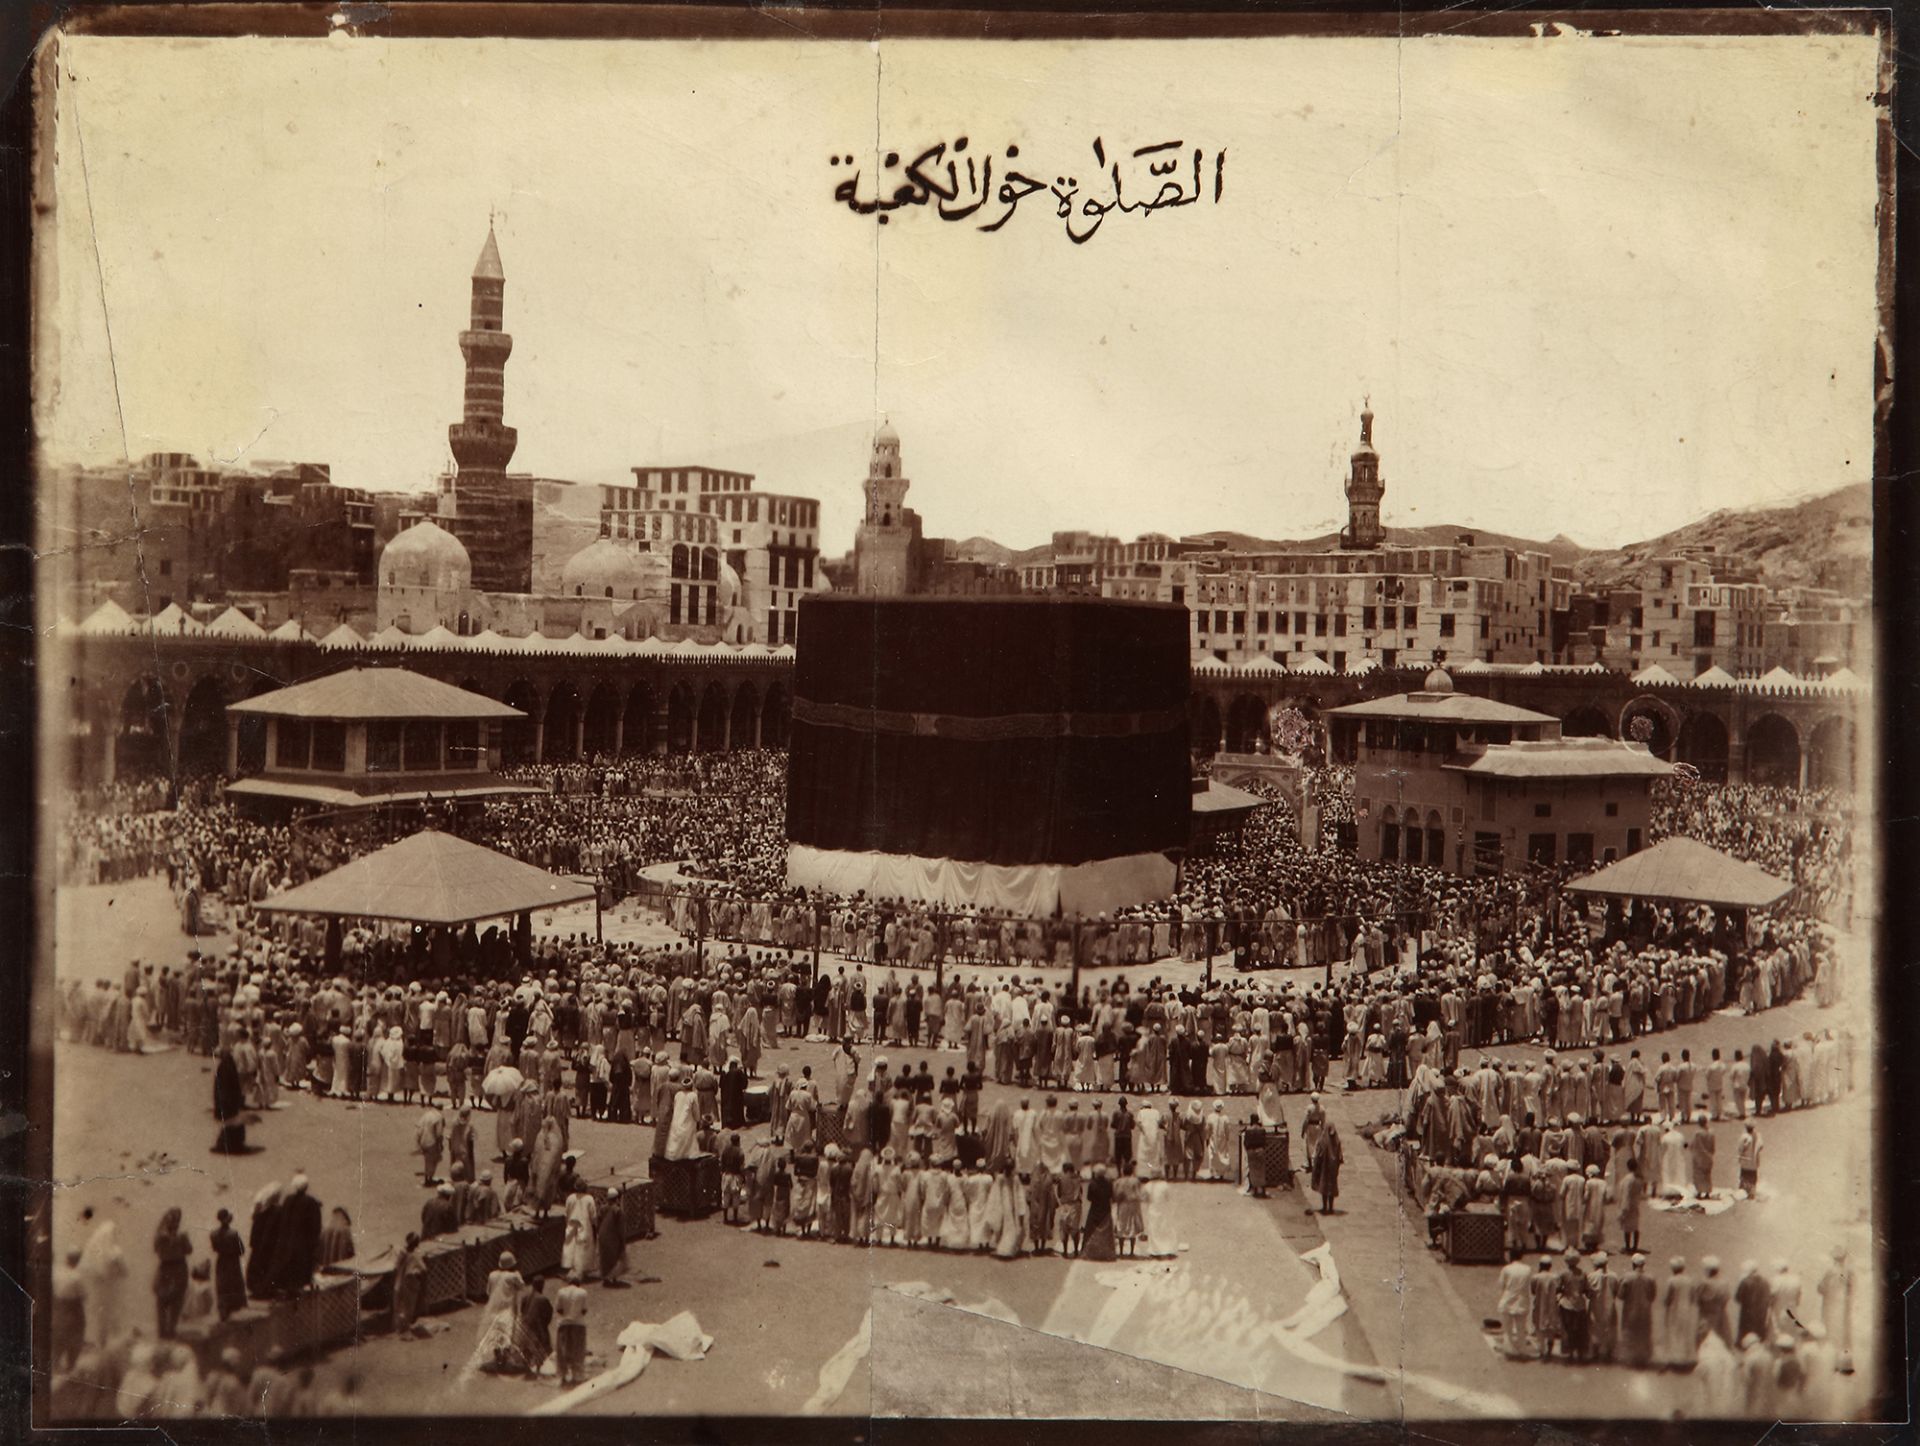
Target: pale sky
(1593, 286)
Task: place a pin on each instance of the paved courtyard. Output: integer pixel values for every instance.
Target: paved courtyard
(1268, 1312)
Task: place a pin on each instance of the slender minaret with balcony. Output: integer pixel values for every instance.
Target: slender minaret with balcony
(1364, 491)
(488, 510)
(886, 545)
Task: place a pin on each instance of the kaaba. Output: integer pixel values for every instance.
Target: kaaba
(1025, 755)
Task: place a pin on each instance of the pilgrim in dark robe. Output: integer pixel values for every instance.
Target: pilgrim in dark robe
(228, 1104)
(620, 1088)
(409, 1278)
(998, 1144)
(1097, 1243)
(611, 1243)
(262, 1236)
(1177, 1083)
(1637, 1292)
(297, 1241)
(733, 1096)
(229, 1283)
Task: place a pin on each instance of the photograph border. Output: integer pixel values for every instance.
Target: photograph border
(26, 1061)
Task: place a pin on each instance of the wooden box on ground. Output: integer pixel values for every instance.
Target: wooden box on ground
(536, 1244)
(637, 1204)
(1476, 1237)
(688, 1188)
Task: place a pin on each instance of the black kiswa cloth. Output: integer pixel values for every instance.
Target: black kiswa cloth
(994, 730)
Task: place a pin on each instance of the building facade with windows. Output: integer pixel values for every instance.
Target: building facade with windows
(1368, 602)
(1463, 783)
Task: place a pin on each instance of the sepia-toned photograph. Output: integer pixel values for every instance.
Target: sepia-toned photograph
(811, 717)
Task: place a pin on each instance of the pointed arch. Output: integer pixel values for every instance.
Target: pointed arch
(603, 720)
(1203, 723)
(1830, 754)
(517, 735)
(1703, 744)
(1773, 751)
(1586, 721)
(746, 711)
(638, 735)
(680, 719)
(775, 714)
(203, 728)
(559, 743)
(713, 719)
(143, 742)
(1247, 725)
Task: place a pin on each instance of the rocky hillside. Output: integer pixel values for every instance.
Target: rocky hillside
(1823, 542)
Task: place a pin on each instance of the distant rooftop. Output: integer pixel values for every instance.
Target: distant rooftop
(1567, 758)
(374, 693)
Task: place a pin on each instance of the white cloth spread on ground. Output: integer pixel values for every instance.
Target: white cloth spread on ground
(680, 1339)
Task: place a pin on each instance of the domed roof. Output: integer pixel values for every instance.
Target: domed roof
(1437, 682)
(603, 569)
(886, 436)
(426, 555)
(729, 585)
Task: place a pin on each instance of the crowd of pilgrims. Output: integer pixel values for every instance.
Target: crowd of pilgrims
(106, 1366)
(1258, 895)
(1804, 835)
(1758, 1344)
(1434, 965)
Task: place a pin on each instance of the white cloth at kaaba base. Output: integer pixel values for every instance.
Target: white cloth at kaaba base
(1033, 891)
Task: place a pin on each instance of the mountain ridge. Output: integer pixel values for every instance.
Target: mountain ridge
(1821, 541)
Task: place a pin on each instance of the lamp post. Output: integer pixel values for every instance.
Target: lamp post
(1073, 979)
(814, 974)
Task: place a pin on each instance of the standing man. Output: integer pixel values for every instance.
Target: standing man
(570, 1344)
(1637, 1293)
(430, 1138)
(1514, 1307)
(1750, 1148)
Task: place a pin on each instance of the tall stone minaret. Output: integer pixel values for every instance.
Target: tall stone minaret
(1364, 491)
(886, 545)
(483, 444)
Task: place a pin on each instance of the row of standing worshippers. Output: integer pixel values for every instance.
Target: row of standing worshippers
(286, 1245)
(1193, 1143)
(1560, 1184)
(142, 1380)
(959, 1205)
(1454, 1113)
(1456, 1116)
(594, 1245)
(1570, 1307)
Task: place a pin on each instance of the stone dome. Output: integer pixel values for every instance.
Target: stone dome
(729, 586)
(603, 569)
(1437, 682)
(426, 555)
(886, 436)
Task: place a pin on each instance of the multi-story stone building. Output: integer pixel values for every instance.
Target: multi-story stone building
(1813, 632)
(1372, 603)
(1687, 614)
(1470, 785)
(169, 529)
